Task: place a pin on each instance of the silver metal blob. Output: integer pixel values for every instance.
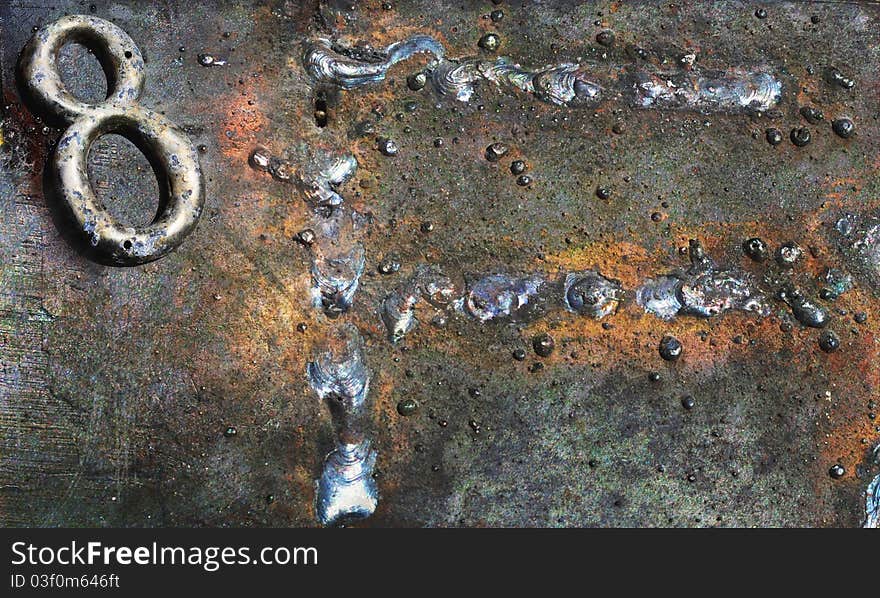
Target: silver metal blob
(318, 180)
(346, 489)
(703, 291)
(804, 310)
(339, 376)
(398, 308)
(456, 79)
(590, 294)
(869, 244)
(564, 84)
(860, 244)
(335, 277)
(499, 297)
(728, 91)
(503, 297)
(339, 373)
(660, 296)
(338, 258)
(349, 67)
(867, 251)
(713, 293)
(398, 312)
(872, 504)
(571, 84)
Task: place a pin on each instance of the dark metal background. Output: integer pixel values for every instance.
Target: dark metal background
(117, 385)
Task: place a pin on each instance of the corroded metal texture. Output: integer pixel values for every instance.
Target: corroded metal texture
(545, 344)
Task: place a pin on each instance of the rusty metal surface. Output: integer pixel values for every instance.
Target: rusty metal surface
(175, 393)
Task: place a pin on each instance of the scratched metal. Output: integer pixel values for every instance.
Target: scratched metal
(175, 393)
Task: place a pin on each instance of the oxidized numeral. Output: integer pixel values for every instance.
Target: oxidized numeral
(166, 146)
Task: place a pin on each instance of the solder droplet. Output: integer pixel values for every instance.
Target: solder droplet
(543, 344)
(670, 348)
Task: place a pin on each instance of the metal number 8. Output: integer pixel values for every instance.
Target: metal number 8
(166, 146)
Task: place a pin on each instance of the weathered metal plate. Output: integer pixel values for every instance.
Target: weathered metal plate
(175, 393)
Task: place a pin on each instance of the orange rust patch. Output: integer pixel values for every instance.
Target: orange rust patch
(242, 124)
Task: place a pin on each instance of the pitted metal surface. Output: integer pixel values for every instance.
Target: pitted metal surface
(543, 342)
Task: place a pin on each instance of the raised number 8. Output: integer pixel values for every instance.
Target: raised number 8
(166, 146)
